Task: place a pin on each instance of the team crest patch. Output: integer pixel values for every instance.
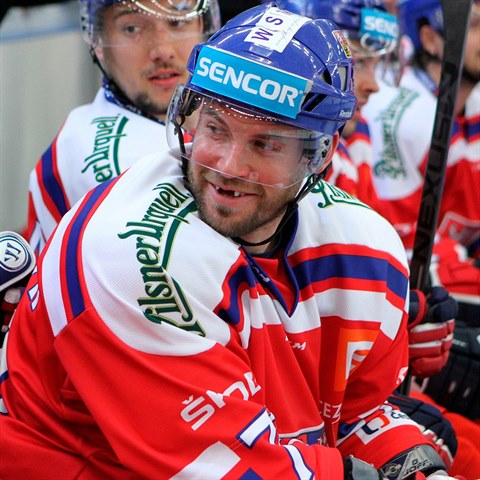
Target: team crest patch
(343, 43)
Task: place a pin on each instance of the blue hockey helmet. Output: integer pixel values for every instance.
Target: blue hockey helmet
(91, 19)
(374, 31)
(413, 13)
(271, 64)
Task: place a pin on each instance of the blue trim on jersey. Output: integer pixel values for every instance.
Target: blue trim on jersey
(351, 267)
(50, 182)
(250, 475)
(243, 275)
(77, 302)
(455, 128)
(4, 376)
(342, 148)
(362, 127)
(472, 128)
(310, 271)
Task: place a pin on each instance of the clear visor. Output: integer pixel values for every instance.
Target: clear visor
(241, 144)
(368, 45)
(130, 22)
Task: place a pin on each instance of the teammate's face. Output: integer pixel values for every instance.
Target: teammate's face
(232, 160)
(146, 55)
(471, 63)
(365, 85)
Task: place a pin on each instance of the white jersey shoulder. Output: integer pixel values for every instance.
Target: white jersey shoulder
(99, 141)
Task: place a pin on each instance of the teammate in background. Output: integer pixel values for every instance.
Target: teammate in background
(221, 311)
(141, 48)
(401, 121)
(357, 19)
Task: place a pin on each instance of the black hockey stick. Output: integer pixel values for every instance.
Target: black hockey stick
(456, 15)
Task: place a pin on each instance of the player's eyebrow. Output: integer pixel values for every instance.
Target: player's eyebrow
(120, 12)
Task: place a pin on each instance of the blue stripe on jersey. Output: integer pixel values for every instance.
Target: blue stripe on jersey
(455, 128)
(473, 129)
(342, 149)
(50, 182)
(243, 279)
(4, 376)
(250, 475)
(362, 127)
(71, 262)
(317, 270)
(353, 267)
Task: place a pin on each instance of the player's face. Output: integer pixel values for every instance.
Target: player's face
(234, 164)
(365, 79)
(471, 62)
(146, 55)
(365, 85)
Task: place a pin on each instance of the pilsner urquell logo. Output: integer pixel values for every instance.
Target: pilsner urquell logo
(164, 300)
(104, 160)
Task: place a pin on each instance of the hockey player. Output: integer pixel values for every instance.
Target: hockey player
(372, 34)
(220, 311)
(141, 47)
(401, 121)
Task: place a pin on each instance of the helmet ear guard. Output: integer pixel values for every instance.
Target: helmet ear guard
(317, 153)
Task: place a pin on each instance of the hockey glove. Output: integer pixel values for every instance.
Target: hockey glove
(433, 424)
(430, 330)
(417, 463)
(440, 475)
(17, 262)
(457, 386)
(355, 469)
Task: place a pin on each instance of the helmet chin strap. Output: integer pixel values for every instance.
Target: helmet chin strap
(292, 207)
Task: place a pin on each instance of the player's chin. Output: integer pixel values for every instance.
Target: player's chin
(229, 225)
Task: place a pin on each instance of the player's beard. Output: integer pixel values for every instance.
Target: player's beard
(270, 208)
(148, 106)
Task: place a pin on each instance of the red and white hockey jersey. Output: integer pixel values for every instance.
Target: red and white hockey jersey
(147, 345)
(401, 123)
(359, 146)
(97, 142)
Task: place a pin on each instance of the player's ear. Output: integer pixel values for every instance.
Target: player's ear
(432, 41)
